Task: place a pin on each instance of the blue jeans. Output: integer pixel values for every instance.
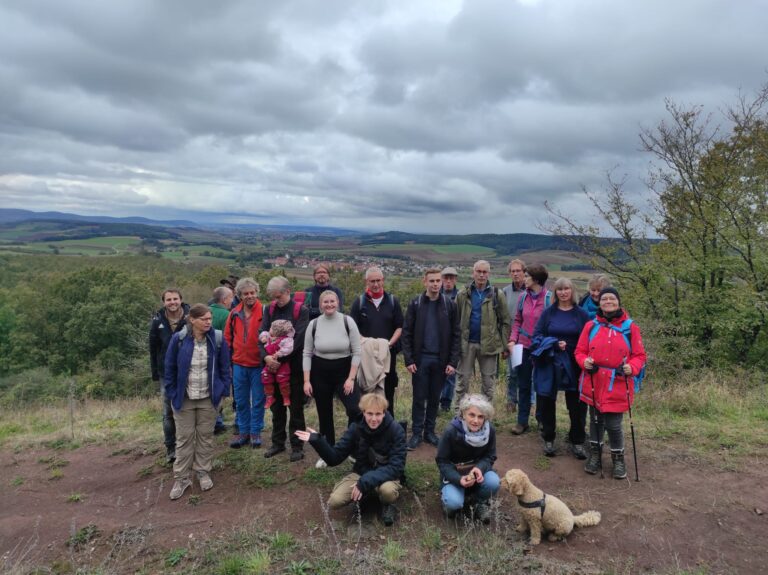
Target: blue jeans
(453, 496)
(249, 394)
(511, 382)
(427, 383)
(446, 395)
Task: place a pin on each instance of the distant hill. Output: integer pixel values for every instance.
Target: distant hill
(502, 243)
(53, 230)
(13, 215)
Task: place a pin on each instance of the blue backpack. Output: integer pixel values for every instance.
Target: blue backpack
(624, 330)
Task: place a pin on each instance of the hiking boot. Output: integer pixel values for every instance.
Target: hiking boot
(594, 463)
(483, 512)
(519, 429)
(274, 450)
(414, 442)
(296, 455)
(388, 513)
(619, 467)
(431, 438)
(578, 451)
(179, 487)
(549, 448)
(170, 456)
(205, 480)
(255, 441)
(240, 441)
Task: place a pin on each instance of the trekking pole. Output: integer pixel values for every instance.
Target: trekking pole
(631, 421)
(596, 423)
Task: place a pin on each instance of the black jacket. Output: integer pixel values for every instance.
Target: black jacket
(312, 299)
(449, 331)
(160, 335)
(378, 322)
(453, 450)
(379, 453)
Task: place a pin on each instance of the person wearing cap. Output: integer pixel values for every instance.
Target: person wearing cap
(485, 324)
(322, 277)
(516, 269)
(611, 356)
(449, 276)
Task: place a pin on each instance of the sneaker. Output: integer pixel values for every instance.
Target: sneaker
(179, 487)
(414, 442)
(519, 429)
(578, 451)
(255, 441)
(205, 480)
(388, 513)
(549, 448)
(320, 464)
(274, 450)
(240, 441)
(431, 438)
(170, 456)
(296, 455)
(483, 512)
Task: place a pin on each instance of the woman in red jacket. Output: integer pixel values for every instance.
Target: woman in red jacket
(611, 353)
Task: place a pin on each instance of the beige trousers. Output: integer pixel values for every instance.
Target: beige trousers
(341, 495)
(194, 436)
(488, 368)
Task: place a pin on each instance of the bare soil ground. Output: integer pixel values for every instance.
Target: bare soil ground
(683, 516)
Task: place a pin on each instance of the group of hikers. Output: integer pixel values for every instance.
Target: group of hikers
(300, 346)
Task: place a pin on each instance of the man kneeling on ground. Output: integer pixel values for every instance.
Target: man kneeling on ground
(377, 444)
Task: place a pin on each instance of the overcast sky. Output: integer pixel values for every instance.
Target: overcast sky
(434, 116)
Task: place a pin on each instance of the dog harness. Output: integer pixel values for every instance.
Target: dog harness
(534, 504)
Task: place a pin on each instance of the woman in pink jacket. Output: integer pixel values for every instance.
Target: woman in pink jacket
(530, 304)
(611, 353)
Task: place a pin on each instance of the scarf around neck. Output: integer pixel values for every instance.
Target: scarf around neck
(476, 438)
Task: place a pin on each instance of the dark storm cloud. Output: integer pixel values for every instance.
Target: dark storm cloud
(424, 115)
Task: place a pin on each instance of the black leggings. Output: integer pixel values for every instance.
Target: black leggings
(327, 377)
(577, 411)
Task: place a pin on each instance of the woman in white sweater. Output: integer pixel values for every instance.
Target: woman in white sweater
(331, 358)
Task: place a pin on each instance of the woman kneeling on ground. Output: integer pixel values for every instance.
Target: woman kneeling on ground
(197, 375)
(377, 444)
(611, 353)
(465, 456)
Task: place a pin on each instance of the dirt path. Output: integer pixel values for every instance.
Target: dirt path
(682, 515)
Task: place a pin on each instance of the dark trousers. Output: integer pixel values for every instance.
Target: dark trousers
(296, 411)
(524, 388)
(390, 383)
(577, 412)
(169, 425)
(427, 385)
(328, 377)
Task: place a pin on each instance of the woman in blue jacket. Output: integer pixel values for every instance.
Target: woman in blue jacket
(197, 375)
(555, 369)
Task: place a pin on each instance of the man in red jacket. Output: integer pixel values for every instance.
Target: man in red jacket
(242, 334)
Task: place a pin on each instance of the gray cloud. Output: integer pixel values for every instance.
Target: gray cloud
(435, 115)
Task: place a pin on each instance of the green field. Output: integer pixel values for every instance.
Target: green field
(110, 245)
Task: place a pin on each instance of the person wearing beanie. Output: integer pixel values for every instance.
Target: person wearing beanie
(611, 354)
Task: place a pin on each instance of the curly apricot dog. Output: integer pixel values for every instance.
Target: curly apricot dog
(543, 513)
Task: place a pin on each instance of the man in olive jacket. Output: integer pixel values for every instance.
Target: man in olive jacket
(485, 324)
